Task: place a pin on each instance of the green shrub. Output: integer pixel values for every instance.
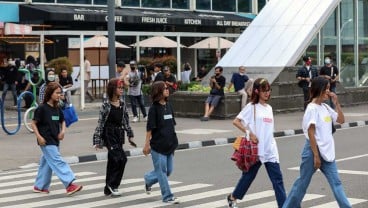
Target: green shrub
(60, 63)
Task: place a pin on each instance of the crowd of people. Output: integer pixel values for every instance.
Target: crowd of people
(255, 120)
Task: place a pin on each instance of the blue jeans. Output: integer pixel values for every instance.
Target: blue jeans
(134, 100)
(163, 166)
(307, 170)
(51, 161)
(13, 88)
(275, 175)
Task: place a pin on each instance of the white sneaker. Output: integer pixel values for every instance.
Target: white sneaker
(114, 192)
(135, 119)
(173, 200)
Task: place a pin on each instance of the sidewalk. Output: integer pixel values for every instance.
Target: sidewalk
(21, 149)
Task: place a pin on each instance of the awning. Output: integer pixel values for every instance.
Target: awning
(23, 39)
(41, 14)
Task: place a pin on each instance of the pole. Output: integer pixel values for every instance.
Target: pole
(81, 68)
(111, 35)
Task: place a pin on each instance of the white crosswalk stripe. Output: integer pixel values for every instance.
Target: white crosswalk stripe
(16, 192)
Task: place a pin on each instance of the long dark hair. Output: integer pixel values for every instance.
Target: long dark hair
(50, 89)
(112, 86)
(157, 91)
(318, 86)
(260, 84)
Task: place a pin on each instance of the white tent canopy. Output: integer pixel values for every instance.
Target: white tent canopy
(98, 41)
(157, 42)
(212, 43)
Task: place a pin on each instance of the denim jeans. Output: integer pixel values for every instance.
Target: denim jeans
(133, 101)
(329, 169)
(13, 89)
(275, 175)
(163, 166)
(51, 161)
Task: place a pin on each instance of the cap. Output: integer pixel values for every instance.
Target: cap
(121, 64)
(166, 68)
(133, 62)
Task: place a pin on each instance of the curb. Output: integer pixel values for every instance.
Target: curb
(199, 144)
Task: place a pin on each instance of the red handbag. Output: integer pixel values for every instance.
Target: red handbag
(246, 156)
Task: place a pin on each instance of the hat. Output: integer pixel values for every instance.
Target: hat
(306, 58)
(121, 64)
(166, 68)
(133, 62)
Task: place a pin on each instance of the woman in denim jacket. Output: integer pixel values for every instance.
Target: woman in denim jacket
(112, 124)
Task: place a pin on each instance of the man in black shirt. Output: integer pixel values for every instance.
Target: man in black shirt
(10, 80)
(305, 75)
(331, 73)
(217, 84)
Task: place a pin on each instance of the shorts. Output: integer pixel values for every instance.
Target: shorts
(213, 100)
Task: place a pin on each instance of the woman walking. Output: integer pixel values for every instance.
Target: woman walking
(319, 148)
(257, 117)
(161, 141)
(112, 124)
(49, 127)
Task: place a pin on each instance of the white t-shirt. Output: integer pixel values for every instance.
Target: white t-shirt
(185, 76)
(87, 70)
(322, 116)
(263, 126)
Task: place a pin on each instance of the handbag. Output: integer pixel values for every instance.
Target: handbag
(246, 156)
(246, 151)
(70, 115)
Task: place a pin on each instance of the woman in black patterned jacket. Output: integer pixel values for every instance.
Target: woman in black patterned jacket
(113, 122)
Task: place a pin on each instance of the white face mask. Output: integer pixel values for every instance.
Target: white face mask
(327, 61)
(51, 78)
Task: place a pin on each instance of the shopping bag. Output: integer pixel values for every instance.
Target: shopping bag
(246, 156)
(70, 115)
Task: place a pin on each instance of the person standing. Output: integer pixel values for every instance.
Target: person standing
(87, 78)
(135, 91)
(157, 73)
(305, 75)
(49, 77)
(112, 125)
(49, 127)
(201, 73)
(66, 81)
(120, 66)
(319, 148)
(10, 81)
(170, 80)
(331, 73)
(161, 141)
(257, 117)
(238, 80)
(217, 84)
(185, 74)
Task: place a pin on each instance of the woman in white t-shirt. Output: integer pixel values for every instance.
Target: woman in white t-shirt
(319, 149)
(257, 117)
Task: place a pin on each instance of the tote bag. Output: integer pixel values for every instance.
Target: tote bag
(70, 115)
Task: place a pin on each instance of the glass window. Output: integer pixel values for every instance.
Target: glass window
(74, 1)
(100, 2)
(348, 75)
(43, 1)
(221, 5)
(156, 3)
(133, 3)
(203, 4)
(363, 43)
(329, 39)
(180, 4)
(245, 6)
(261, 4)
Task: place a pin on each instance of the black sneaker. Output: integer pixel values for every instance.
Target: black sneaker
(173, 200)
(231, 202)
(148, 189)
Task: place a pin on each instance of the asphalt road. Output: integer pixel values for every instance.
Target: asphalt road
(202, 178)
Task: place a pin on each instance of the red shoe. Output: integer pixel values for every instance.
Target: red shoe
(37, 190)
(72, 188)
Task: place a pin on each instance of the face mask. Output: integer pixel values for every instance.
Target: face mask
(51, 78)
(217, 74)
(327, 61)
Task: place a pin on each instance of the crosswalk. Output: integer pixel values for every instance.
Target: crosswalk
(16, 192)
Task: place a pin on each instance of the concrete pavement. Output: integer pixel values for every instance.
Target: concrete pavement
(21, 150)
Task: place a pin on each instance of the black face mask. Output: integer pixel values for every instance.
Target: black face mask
(217, 74)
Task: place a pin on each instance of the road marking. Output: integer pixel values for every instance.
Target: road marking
(307, 197)
(248, 197)
(334, 204)
(351, 172)
(202, 131)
